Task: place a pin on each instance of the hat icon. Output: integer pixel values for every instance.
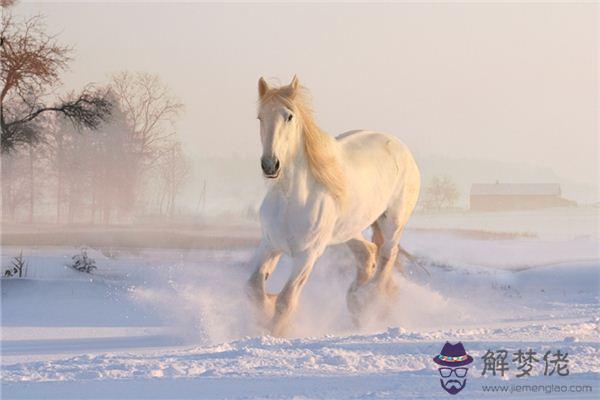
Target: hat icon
(453, 355)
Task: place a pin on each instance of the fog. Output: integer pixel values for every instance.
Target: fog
(481, 92)
(131, 183)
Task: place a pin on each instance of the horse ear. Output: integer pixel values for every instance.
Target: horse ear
(263, 87)
(295, 84)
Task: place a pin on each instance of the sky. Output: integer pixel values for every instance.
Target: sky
(512, 82)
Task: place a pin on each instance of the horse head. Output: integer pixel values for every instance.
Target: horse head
(280, 125)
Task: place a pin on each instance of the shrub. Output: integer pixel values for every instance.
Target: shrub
(83, 263)
(18, 267)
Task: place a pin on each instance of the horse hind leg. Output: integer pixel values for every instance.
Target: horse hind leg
(377, 237)
(369, 294)
(390, 227)
(365, 253)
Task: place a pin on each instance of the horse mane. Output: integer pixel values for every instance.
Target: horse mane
(319, 147)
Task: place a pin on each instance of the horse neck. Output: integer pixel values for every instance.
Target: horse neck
(297, 180)
(297, 177)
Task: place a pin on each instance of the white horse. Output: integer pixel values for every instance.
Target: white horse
(326, 191)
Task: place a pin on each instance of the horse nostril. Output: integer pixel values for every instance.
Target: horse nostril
(270, 165)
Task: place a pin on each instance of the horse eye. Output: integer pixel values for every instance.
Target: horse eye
(289, 117)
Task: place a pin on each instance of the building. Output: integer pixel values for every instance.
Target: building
(515, 196)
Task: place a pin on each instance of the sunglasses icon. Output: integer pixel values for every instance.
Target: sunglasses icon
(447, 372)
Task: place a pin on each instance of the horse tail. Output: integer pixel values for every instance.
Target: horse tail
(411, 258)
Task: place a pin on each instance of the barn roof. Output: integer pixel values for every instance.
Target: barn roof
(523, 189)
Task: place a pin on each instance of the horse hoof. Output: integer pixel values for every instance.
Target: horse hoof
(264, 310)
(357, 300)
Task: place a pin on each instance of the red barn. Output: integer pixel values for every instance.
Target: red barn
(516, 196)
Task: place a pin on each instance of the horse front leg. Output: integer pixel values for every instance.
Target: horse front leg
(287, 300)
(264, 261)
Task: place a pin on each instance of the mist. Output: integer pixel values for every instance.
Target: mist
(481, 92)
(131, 189)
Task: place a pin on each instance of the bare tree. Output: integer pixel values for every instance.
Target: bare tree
(93, 171)
(7, 3)
(56, 142)
(440, 193)
(14, 183)
(150, 109)
(115, 166)
(32, 62)
(23, 169)
(175, 170)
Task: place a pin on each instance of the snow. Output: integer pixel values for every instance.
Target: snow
(174, 323)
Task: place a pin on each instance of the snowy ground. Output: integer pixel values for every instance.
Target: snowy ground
(174, 323)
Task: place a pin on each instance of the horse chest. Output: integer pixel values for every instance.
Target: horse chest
(291, 225)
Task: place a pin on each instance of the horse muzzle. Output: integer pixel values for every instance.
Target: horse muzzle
(270, 167)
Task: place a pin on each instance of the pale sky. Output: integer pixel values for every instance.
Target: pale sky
(509, 82)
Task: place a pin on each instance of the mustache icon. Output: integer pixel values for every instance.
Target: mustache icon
(453, 386)
(453, 383)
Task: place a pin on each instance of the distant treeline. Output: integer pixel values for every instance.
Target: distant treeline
(92, 156)
(99, 175)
